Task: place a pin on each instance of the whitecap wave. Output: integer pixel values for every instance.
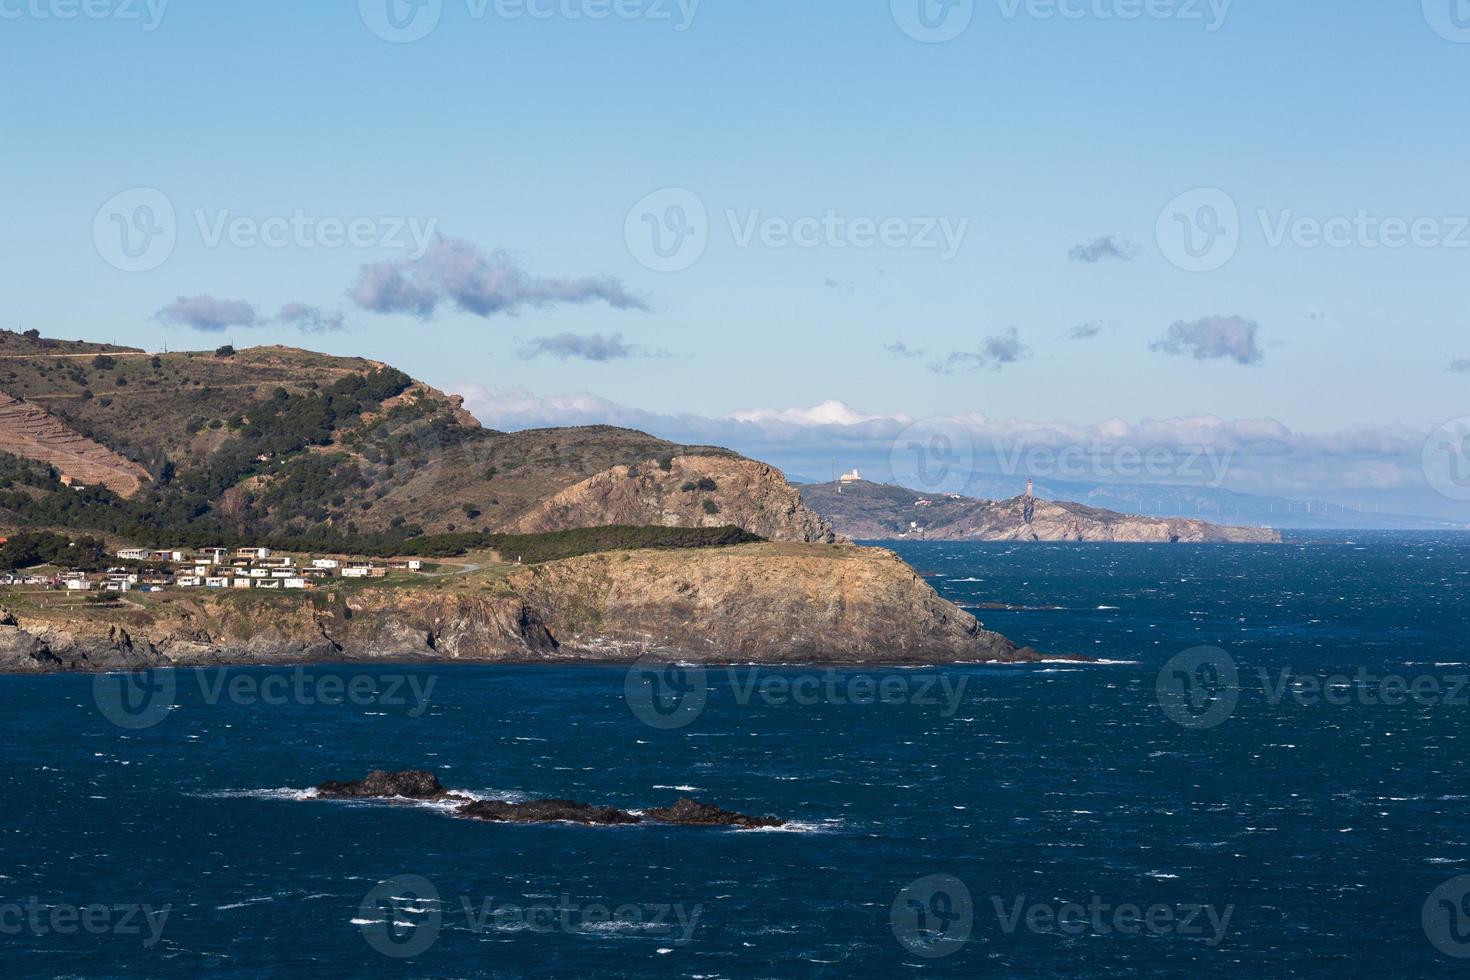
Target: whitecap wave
(279, 793)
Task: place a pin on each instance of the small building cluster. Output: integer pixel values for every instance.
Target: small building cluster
(214, 568)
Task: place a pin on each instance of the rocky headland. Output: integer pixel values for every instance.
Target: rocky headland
(866, 511)
(763, 603)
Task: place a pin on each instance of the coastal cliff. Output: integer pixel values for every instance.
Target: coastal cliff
(767, 603)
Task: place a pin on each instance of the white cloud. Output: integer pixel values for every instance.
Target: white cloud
(828, 413)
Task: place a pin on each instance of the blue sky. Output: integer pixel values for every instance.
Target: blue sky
(526, 142)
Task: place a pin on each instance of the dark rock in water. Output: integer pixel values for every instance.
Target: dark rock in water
(419, 785)
(412, 785)
(696, 814)
(546, 811)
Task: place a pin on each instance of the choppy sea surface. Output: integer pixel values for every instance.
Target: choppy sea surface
(1266, 775)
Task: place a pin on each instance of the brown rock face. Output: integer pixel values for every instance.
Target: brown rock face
(759, 603)
(697, 491)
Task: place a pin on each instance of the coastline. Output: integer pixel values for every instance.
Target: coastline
(763, 604)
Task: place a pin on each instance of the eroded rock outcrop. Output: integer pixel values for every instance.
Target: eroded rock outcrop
(695, 491)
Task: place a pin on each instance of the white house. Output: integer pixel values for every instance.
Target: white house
(134, 554)
(415, 565)
(295, 583)
(217, 582)
(356, 571)
(189, 581)
(273, 583)
(256, 553)
(214, 555)
(327, 563)
(78, 585)
(244, 583)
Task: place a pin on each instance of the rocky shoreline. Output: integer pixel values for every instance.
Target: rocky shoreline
(424, 787)
(767, 603)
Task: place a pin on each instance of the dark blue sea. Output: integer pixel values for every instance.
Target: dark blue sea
(1266, 773)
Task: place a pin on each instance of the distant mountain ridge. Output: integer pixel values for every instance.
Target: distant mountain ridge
(873, 511)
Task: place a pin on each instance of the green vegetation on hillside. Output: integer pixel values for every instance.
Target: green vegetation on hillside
(274, 443)
(28, 550)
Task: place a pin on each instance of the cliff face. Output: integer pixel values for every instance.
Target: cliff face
(758, 603)
(761, 603)
(870, 511)
(696, 491)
